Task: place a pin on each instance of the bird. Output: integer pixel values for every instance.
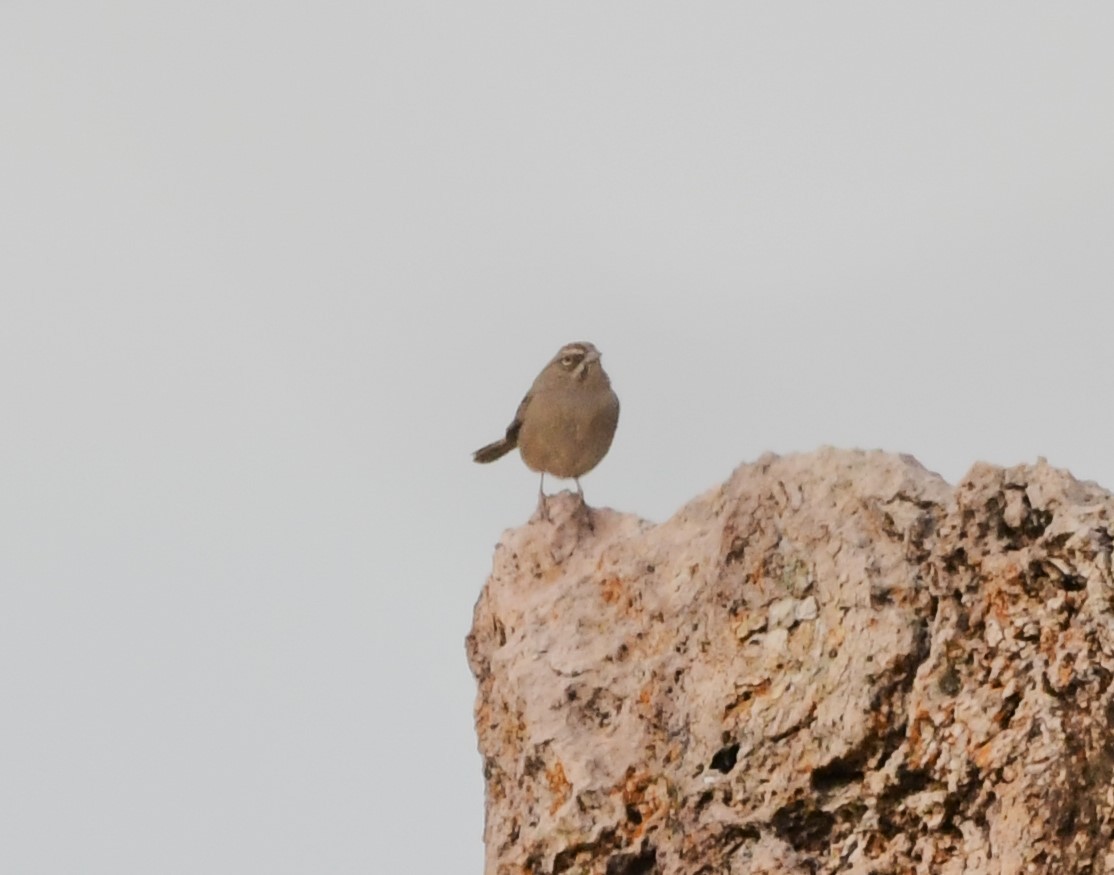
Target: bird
(565, 424)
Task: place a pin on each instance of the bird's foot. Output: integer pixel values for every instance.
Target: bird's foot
(542, 511)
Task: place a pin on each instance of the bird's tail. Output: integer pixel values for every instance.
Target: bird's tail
(494, 451)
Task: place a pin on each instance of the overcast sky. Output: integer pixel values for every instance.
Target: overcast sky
(271, 271)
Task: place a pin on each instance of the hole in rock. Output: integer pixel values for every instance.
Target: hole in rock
(725, 758)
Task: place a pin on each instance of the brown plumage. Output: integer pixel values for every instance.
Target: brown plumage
(565, 424)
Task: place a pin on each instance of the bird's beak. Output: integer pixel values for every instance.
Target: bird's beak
(593, 356)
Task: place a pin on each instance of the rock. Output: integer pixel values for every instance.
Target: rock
(834, 662)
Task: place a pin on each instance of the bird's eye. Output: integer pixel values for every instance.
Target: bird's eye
(567, 361)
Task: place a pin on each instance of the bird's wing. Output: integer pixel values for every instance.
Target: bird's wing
(516, 423)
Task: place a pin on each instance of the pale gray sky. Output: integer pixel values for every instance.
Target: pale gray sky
(272, 271)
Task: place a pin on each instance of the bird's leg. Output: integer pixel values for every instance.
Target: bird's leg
(543, 505)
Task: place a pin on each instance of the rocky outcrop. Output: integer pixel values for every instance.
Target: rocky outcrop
(834, 662)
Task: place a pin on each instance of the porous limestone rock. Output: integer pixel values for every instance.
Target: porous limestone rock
(834, 662)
